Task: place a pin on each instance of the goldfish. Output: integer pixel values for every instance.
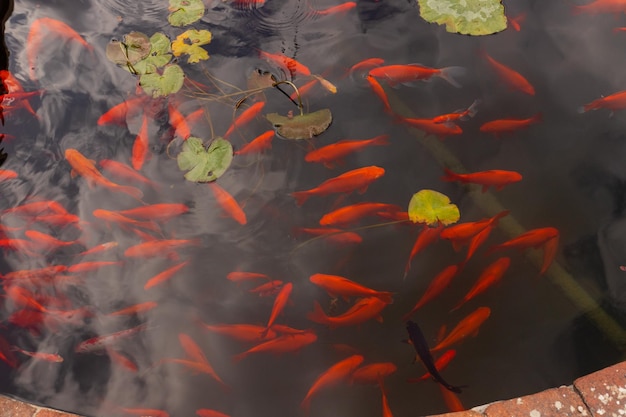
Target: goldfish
(477, 241)
(43, 241)
(386, 409)
(340, 371)
(140, 150)
(156, 212)
(91, 266)
(122, 360)
(440, 364)
(341, 8)
(36, 36)
(436, 287)
(463, 232)
(245, 117)
(164, 275)
(492, 178)
(158, 247)
(248, 333)
(516, 21)
(48, 357)
(145, 412)
(357, 179)
(380, 92)
(20, 245)
(335, 286)
(490, 276)
(421, 347)
(118, 113)
(134, 309)
(22, 297)
(7, 174)
(365, 309)
(328, 154)
(197, 366)
(294, 67)
(114, 217)
(510, 77)
(365, 65)
(424, 239)
(546, 236)
(205, 412)
(373, 373)
(400, 74)
(239, 276)
(615, 101)
(500, 126)
(126, 173)
(601, 6)
(354, 212)
(304, 90)
(269, 288)
(178, 122)
(281, 344)
(60, 220)
(441, 130)
(192, 350)
(44, 273)
(87, 169)
(462, 114)
(333, 235)
(258, 144)
(35, 208)
(549, 252)
(279, 304)
(466, 327)
(228, 203)
(101, 342)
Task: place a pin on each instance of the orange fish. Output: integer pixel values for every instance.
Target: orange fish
(140, 150)
(202, 367)
(335, 286)
(364, 310)
(158, 247)
(38, 207)
(380, 92)
(158, 212)
(178, 122)
(239, 276)
(510, 77)
(205, 412)
(333, 235)
(601, 6)
(354, 212)
(357, 179)
(91, 266)
(126, 173)
(281, 344)
(463, 232)
(279, 304)
(615, 101)
(535, 238)
(340, 371)
(500, 126)
(476, 242)
(20, 245)
(436, 287)
(164, 275)
(7, 174)
(247, 333)
(258, 144)
(399, 74)
(441, 130)
(101, 342)
(267, 289)
(515, 22)
(440, 364)
(294, 67)
(228, 203)
(118, 113)
(373, 373)
(87, 169)
(466, 327)
(336, 151)
(48, 357)
(341, 8)
(245, 117)
(490, 276)
(462, 114)
(424, 239)
(452, 400)
(36, 36)
(492, 178)
(120, 219)
(43, 241)
(134, 309)
(60, 220)
(304, 90)
(145, 412)
(100, 248)
(121, 359)
(191, 348)
(365, 65)
(386, 409)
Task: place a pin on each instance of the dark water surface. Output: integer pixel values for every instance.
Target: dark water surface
(540, 334)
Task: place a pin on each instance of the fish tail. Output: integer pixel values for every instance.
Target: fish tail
(301, 197)
(450, 176)
(451, 73)
(537, 118)
(589, 106)
(381, 140)
(473, 108)
(317, 315)
(386, 297)
(131, 191)
(239, 357)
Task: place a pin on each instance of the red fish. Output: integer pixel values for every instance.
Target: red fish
(91, 266)
(355, 180)
(164, 275)
(492, 178)
(510, 77)
(466, 327)
(341, 8)
(365, 309)
(335, 286)
(329, 154)
(60, 220)
(373, 373)
(452, 400)
(601, 6)
(245, 117)
(534, 239)
(333, 235)
(366, 65)
(228, 203)
(240, 276)
(615, 101)
(440, 364)
(115, 217)
(248, 333)
(380, 92)
(340, 371)
(158, 212)
(424, 239)
(267, 289)
(463, 232)
(490, 276)
(158, 247)
(293, 66)
(87, 169)
(140, 150)
(354, 212)
(386, 409)
(191, 348)
(500, 126)
(118, 113)
(101, 342)
(43, 241)
(7, 174)
(48, 357)
(38, 207)
(515, 22)
(100, 248)
(202, 367)
(205, 412)
(178, 122)
(126, 173)
(399, 74)
(258, 144)
(436, 287)
(279, 304)
(122, 360)
(134, 309)
(145, 412)
(462, 114)
(441, 130)
(476, 242)
(281, 344)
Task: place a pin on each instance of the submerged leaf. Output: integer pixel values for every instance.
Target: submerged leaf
(260, 79)
(160, 55)
(135, 47)
(303, 126)
(185, 12)
(190, 43)
(205, 165)
(467, 17)
(432, 207)
(163, 84)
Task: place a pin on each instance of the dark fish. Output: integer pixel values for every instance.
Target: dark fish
(421, 347)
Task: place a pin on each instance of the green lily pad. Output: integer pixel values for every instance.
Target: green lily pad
(190, 43)
(205, 165)
(185, 12)
(303, 126)
(134, 47)
(163, 84)
(432, 207)
(159, 56)
(467, 17)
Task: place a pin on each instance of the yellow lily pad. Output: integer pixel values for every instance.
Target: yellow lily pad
(432, 207)
(467, 17)
(190, 43)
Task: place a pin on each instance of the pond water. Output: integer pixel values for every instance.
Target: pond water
(543, 330)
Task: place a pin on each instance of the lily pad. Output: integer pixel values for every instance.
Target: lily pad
(163, 84)
(159, 56)
(260, 79)
(303, 126)
(190, 43)
(185, 12)
(205, 165)
(432, 207)
(467, 17)
(134, 47)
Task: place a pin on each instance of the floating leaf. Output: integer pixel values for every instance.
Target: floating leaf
(135, 47)
(185, 12)
(260, 79)
(303, 126)
(431, 207)
(163, 84)
(468, 17)
(205, 165)
(190, 43)
(160, 55)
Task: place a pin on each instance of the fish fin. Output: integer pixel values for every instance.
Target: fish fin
(582, 109)
(379, 319)
(473, 108)
(456, 245)
(538, 117)
(451, 73)
(73, 174)
(386, 297)
(450, 176)
(300, 196)
(362, 190)
(329, 165)
(317, 315)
